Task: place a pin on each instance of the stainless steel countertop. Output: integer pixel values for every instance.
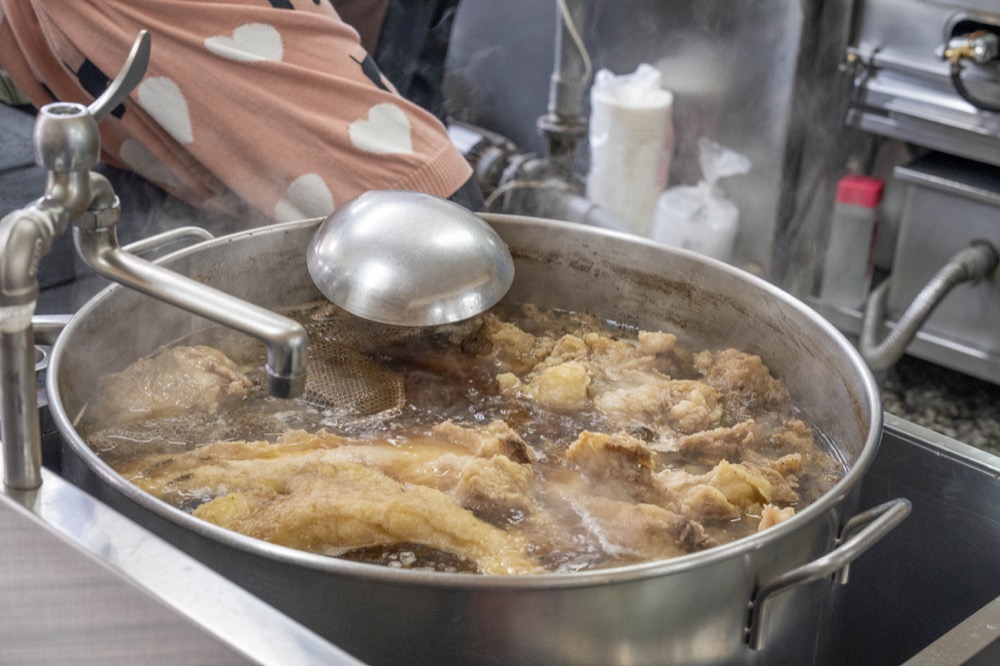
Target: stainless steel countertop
(974, 642)
(928, 591)
(84, 585)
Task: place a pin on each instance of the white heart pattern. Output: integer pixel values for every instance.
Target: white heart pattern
(250, 43)
(161, 98)
(386, 131)
(307, 197)
(139, 159)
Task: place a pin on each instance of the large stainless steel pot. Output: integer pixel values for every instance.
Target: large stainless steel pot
(706, 608)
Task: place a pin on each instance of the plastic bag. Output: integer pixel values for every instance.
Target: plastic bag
(700, 217)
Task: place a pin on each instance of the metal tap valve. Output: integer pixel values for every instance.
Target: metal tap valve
(981, 47)
(67, 145)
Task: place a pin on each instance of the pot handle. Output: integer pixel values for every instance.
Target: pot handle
(172, 236)
(858, 535)
(48, 327)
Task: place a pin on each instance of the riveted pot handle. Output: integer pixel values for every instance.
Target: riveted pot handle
(168, 237)
(858, 535)
(48, 327)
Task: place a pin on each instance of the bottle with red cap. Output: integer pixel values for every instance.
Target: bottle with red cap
(850, 252)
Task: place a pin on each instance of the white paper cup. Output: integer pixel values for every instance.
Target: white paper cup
(631, 146)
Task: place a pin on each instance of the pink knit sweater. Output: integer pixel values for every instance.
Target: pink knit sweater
(272, 104)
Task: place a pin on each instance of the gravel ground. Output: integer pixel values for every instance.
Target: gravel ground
(948, 402)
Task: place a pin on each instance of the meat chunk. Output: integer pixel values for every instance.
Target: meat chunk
(783, 486)
(220, 467)
(345, 506)
(497, 438)
(612, 356)
(618, 465)
(664, 404)
(482, 480)
(786, 466)
(793, 436)
(560, 388)
(694, 406)
(642, 531)
(717, 444)
(566, 348)
(743, 379)
(641, 404)
(656, 342)
(371, 493)
(513, 350)
(174, 381)
(496, 489)
(771, 515)
(726, 491)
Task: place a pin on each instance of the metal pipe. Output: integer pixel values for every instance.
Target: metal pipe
(569, 73)
(48, 327)
(573, 207)
(284, 338)
(981, 47)
(19, 427)
(25, 237)
(972, 263)
(565, 124)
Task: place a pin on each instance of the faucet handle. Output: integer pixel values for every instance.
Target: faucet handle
(128, 78)
(66, 135)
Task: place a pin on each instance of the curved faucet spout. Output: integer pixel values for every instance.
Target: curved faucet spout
(285, 339)
(67, 145)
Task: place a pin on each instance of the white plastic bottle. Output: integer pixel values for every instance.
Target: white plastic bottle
(850, 251)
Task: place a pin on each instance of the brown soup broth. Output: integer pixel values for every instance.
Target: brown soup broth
(445, 382)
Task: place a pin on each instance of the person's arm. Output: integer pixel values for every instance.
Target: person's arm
(280, 107)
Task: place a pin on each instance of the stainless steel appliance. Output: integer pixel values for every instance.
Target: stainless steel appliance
(927, 79)
(947, 202)
(905, 88)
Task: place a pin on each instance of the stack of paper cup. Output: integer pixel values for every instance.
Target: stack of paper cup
(631, 144)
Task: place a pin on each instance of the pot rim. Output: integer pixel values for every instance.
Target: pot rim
(620, 574)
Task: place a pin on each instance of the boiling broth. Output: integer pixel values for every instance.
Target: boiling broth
(452, 375)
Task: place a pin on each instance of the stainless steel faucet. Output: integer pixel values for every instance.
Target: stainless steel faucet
(67, 145)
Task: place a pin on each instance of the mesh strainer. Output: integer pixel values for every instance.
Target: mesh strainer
(340, 376)
(348, 382)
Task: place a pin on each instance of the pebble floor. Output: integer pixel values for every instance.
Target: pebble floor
(948, 402)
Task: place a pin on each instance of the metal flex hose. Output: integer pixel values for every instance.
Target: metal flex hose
(975, 262)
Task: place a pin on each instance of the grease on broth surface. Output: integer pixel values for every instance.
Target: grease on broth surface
(524, 441)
